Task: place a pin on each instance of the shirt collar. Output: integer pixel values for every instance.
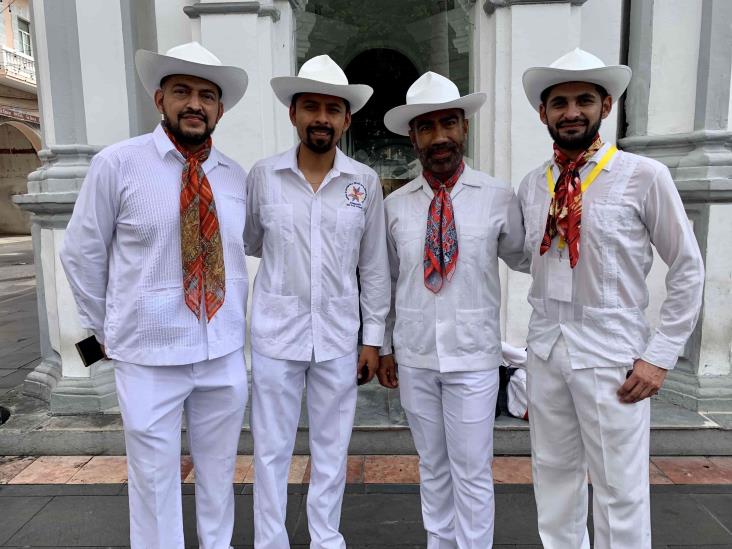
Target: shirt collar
(165, 146)
(465, 179)
(593, 160)
(341, 163)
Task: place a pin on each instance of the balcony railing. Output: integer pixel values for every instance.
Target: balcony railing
(18, 65)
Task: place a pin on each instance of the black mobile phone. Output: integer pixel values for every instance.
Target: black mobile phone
(90, 350)
(364, 375)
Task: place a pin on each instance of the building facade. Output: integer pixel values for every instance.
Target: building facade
(677, 109)
(20, 138)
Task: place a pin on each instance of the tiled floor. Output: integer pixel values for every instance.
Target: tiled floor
(361, 470)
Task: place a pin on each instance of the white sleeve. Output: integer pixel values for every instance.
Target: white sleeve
(85, 250)
(253, 231)
(373, 268)
(670, 232)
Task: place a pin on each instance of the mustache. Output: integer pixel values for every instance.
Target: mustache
(443, 147)
(571, 122)
(326, 129)
(190, 112)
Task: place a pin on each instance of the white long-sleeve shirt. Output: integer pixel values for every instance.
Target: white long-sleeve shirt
(632, 204)
(122, 254)
(457, 329)
(306, 298)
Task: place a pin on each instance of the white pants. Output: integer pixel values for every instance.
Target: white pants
(577, 422)
(277, 387)
(451, 418)
(152, 400)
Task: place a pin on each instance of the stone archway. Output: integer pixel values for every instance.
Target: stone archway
(19, 145)
(390, 73)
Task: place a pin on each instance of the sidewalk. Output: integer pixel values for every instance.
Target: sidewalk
(691, 502)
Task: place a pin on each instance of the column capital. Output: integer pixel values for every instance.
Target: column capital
(490, 6)
(219, 8)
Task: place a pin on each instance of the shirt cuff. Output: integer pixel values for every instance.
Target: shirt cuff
(662, 351)
(372, 334)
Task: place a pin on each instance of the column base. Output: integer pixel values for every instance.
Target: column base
(86, 395)
(698, 393)
(44, 378)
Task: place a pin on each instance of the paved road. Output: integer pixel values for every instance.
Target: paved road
(19, 340)
(64, 516)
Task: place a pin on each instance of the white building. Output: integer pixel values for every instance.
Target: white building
(677, 110)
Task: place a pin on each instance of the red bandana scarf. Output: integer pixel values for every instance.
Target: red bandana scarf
(441, 243)
(201, 249)
(565, 210)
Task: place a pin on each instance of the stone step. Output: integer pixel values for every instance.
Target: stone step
(380, 428)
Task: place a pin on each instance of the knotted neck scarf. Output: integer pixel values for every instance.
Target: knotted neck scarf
(565, 209)
(441, 243)
(202, 252)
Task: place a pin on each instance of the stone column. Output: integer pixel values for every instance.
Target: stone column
(89, 97)
(678, 112)
(258, 36)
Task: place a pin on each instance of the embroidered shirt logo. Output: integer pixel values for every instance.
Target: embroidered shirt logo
(356, 194)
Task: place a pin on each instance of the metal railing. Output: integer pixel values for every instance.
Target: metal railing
(18, 65)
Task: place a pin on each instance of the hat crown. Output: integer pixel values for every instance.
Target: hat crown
(432, 88)
(193, 52)
(323, 69)
(578, 60)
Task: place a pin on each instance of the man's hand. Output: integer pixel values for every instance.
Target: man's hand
(387, 372)
(644, 382)
(369, 357)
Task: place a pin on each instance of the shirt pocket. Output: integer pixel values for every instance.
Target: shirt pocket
(272, 315)
(409, 331)
(164, 319)
(410, 246)
(608, 224)
(474, 244)
(343, 311)
(231, 213)
(473, 332)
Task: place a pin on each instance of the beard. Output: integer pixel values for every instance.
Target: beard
(319, 145)
(442, 167)
(577, 142)
(187, 137)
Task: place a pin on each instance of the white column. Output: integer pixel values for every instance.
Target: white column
(88, 98)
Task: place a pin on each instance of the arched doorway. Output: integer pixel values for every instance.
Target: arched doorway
(390, 73)
(19, 144)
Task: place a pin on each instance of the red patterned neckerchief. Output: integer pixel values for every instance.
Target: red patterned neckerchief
(565, 210)
(441, 242)
(202, 252)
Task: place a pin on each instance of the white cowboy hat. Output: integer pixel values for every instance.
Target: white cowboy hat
(321, 75)
(191, 59)
(576, 66)
(431, 92)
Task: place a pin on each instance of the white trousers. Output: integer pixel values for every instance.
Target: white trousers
(277, 387)
(152, 400)
(577, 423)
(451, 418)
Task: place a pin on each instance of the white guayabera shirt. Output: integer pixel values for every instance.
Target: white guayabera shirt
(632, 204)
(456, 329)
(306, 297)
(122, 254)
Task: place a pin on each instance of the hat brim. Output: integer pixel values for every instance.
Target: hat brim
(285, 87)
(153, 67)
(614, 79)
(397, 119)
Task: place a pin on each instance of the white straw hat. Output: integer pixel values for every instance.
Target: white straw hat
(431, 92)
(191, 59)
(576, 66)
(321, 75)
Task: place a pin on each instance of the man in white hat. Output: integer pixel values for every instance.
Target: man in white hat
(446, 230)
(314, 216)
(155, 257)
(591, 214)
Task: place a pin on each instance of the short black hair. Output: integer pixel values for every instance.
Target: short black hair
(294, 100)
(545, 94)
(164, 78)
